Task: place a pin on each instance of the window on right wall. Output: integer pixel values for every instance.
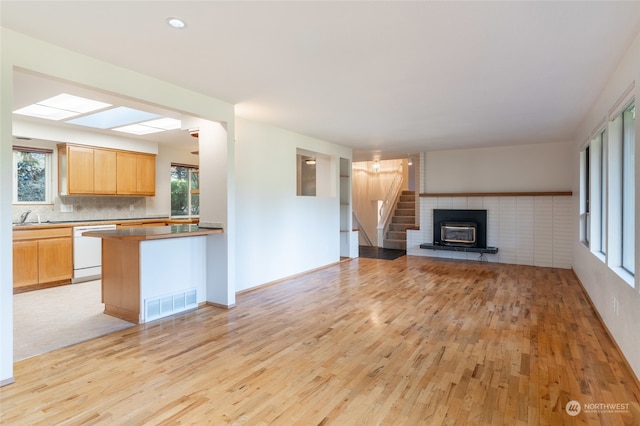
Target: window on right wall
(621, 193)
(628, 117)
(608, 193)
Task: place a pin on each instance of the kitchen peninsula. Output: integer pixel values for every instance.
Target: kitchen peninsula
(150, 273)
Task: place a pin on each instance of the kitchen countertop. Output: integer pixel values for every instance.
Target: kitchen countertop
(153, 233)
(67, 224)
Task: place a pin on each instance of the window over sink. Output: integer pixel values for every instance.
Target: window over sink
(31, 175)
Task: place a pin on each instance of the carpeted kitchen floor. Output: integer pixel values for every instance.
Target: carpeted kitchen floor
(52, 318)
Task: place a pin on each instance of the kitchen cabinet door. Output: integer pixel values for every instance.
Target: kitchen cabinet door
(146, 174)
(104, 169)
(55, 259)
(25, 263)
(80, 170)
(127, 173)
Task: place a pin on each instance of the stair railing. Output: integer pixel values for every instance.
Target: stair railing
(361, 230)
(388, 204)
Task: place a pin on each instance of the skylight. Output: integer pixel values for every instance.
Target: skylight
(121, 119)
(115, 117)
(61, 106)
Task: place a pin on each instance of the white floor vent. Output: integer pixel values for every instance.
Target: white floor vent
(159, 307)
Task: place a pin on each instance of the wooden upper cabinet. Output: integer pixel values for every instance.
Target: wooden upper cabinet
(126, 173)
(136, 173)
(80, 170)
(104, 171)
(146, 174)
(87, 170)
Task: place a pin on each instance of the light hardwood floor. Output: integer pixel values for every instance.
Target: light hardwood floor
(410, 341)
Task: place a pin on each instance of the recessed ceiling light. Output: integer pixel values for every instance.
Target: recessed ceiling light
(153, 126)
(138, 129)
(41, 111)
(61, 106)
(164, 123)
(176, 23)
(74, 103)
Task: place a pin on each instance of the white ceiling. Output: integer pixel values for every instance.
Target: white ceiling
(384, 78)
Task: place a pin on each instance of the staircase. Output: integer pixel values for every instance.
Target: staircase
(404, 217)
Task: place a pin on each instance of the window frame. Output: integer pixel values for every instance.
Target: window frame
(615, 176)
(49, 172)
(627, 237)
(603, 183)
(585, 195)
(190, 190)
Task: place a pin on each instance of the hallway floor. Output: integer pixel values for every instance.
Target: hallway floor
(370, 252)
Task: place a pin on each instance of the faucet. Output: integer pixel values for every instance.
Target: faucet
(23, 216)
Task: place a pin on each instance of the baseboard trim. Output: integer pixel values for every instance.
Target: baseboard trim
(8, 381)
(220, 305)
(606, 329)
(290, 277)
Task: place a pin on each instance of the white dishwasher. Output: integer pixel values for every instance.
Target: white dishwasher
(87, 253)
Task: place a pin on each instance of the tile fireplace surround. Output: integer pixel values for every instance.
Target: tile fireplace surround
(532, 229)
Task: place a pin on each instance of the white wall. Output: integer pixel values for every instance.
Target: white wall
(38, 56)
(601, 283)
(6, 194)
(278, 233)
(521, 168)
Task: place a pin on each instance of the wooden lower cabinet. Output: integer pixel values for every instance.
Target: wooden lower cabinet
(25, 263)
(55, 260)
(42, 257)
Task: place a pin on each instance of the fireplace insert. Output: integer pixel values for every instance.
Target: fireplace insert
(460, 228)
(458, 233)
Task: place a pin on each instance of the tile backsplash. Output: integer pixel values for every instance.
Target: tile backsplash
(83, 208)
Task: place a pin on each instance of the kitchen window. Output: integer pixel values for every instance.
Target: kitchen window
(31, 175)
(185, 190)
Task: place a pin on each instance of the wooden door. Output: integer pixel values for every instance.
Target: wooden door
(146, 174)
(126, 173)
(25, 263)
(55, 259)
(104, 171)
(80, 170)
